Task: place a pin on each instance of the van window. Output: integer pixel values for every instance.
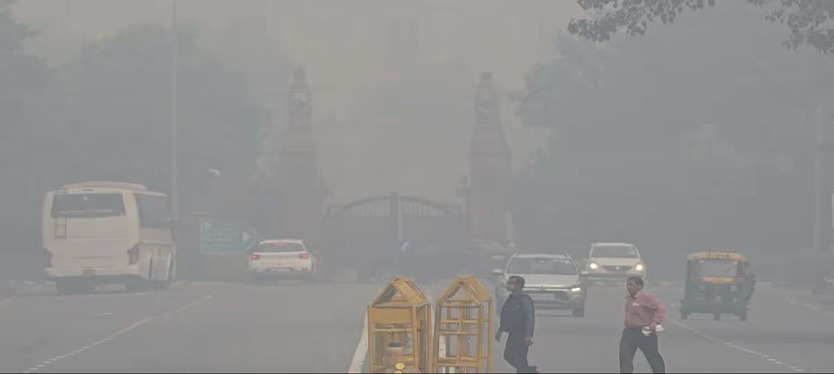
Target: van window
(153, 211)
(89, 205)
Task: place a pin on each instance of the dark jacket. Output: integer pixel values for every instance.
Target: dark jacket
(518, 315)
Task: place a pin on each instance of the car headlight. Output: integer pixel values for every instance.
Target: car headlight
(639, 267)
(594, 266)
(576, 289)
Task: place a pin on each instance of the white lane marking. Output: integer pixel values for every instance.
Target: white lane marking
(441, 349)
(810, 306)
(361, 352)
(117, 334)
(740, 348)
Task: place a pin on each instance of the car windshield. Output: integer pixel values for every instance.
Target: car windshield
(278, 247)
(554, 266)
(717, 268)
(617, 251)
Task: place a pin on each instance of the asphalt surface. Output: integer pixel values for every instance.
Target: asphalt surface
(785, 332)
(316, 328)
(195, 328)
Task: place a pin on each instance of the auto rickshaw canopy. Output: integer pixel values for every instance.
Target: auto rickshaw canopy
(717, 255)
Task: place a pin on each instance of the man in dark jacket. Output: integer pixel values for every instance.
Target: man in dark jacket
(518, 319)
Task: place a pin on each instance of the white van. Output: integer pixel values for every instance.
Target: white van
(107, 232)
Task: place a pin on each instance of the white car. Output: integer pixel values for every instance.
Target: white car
(614, 261)
(552, 281)
(281, 258)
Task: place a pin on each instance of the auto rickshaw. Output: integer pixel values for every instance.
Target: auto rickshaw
(717, 283)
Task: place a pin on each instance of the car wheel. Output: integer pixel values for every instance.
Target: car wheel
(313, 277)
(137, 285)
(73, 287)
(579, 312)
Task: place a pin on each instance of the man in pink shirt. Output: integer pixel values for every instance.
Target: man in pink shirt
(644, 314)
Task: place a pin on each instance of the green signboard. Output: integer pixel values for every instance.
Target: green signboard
(226, 237)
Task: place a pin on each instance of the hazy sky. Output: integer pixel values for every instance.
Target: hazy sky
(344, 45)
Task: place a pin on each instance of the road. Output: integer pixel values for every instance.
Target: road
(767, 342)
(315, 328)
(196, 328)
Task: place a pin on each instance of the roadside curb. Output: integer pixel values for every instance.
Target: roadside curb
(620, 284)
(28, 287)
(669, 284)
(678, 284)
(5, 290)
(822, 299)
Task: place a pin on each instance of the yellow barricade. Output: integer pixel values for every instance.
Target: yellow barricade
(399, 329)
(463, 321)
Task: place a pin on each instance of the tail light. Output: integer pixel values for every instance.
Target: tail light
(254, 256)
(303, 255)
(133, 254)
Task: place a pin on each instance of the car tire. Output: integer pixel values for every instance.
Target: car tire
(137, 285)
(313, 277)
(578, 312)
(73, 287)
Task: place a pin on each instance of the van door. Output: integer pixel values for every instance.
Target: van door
(89, 230)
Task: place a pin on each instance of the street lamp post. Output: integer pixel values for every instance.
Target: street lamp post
(174, 119)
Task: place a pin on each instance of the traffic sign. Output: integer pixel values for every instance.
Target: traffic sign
(226, 237)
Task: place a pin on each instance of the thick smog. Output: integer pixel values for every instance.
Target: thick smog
(406, 186)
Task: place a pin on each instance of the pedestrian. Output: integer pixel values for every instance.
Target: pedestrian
(518, 319)
(644, 316)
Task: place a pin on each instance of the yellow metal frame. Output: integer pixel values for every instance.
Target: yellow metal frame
(717, 255)
(401, 312)
(464, 311)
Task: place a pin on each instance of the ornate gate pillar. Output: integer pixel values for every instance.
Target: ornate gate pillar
(299, 185)
(489, 195)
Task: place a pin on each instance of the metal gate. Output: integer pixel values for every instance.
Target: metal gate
(368, 232)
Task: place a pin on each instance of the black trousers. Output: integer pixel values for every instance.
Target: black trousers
(630, 342)
(515, 352)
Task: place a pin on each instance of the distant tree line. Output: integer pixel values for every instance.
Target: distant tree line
(106, 115)
(697, 135)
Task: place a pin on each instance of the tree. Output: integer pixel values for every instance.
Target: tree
(676, 136)
(25, 81)
(805, 19)
(118, 114)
